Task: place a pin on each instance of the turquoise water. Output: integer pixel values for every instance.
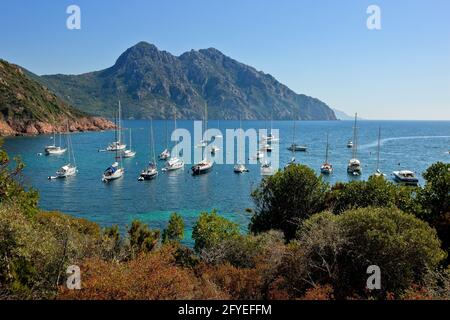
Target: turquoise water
(410, 145)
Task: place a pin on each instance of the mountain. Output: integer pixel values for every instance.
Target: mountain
(26, 107)
(154, 84)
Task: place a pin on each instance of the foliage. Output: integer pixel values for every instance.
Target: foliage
(210, 229)
(34, 252)
(150, 276)
(375, 192)
(174, 230)
(11, 188)
(434, 199)
(141, 238)
(285, 199)
(337, 250)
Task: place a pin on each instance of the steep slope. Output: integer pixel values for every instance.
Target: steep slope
(26, 107)
(154, 83)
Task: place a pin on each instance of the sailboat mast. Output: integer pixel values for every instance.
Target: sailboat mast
(175, 127)
(120, 124)
(326, 153)
(379, 147)
(355, 138)
(206, 129)
(152, 141)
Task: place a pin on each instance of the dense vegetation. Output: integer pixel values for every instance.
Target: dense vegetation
(24, 98)
(307, 241)
(154, 84)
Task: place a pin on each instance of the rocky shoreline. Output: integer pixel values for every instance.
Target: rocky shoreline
(33, 127)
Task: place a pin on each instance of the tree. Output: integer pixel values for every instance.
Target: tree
(434, 199)
(141, 238)
(174, 232)
(11, 186)
(338, 249)
(287, 198)
(210, 229)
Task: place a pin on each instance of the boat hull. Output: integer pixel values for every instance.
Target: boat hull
(114, 176)
(198, 169)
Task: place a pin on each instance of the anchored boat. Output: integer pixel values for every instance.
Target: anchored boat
(406, 177)
(354, 165)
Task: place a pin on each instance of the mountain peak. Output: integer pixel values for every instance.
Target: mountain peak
(139, 51)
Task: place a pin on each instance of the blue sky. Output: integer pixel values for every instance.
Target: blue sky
(318, 47)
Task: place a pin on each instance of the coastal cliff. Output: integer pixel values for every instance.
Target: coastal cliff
(28, 108)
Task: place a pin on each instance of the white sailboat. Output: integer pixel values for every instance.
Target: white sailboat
(166, 153)
(354, 165)
(115, 171)
(240, 167)
(326, 168)
(205, 165)
(295, 147)
(218, 128)
(129, 153)
(271, 137)
(151, 171)
(378, 172)
(117, 145)
(174, 163)
(54, 149)
(69, 169)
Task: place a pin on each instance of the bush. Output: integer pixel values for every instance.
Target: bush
(211, 229)
(141, 238)
(174, 230)
(11, 187)
(435, 200)
(151, 276)
(337, 250)
(35, 252)
(287, 198)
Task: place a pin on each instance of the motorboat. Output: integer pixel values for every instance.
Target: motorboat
(406, 177)
(354, 167)
(350, 144)
(295, 147)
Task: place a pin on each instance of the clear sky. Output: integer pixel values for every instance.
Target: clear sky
(320, 48)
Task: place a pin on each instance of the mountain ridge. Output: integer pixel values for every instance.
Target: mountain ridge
(153, 83)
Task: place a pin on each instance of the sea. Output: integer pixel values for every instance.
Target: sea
(412, 145)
